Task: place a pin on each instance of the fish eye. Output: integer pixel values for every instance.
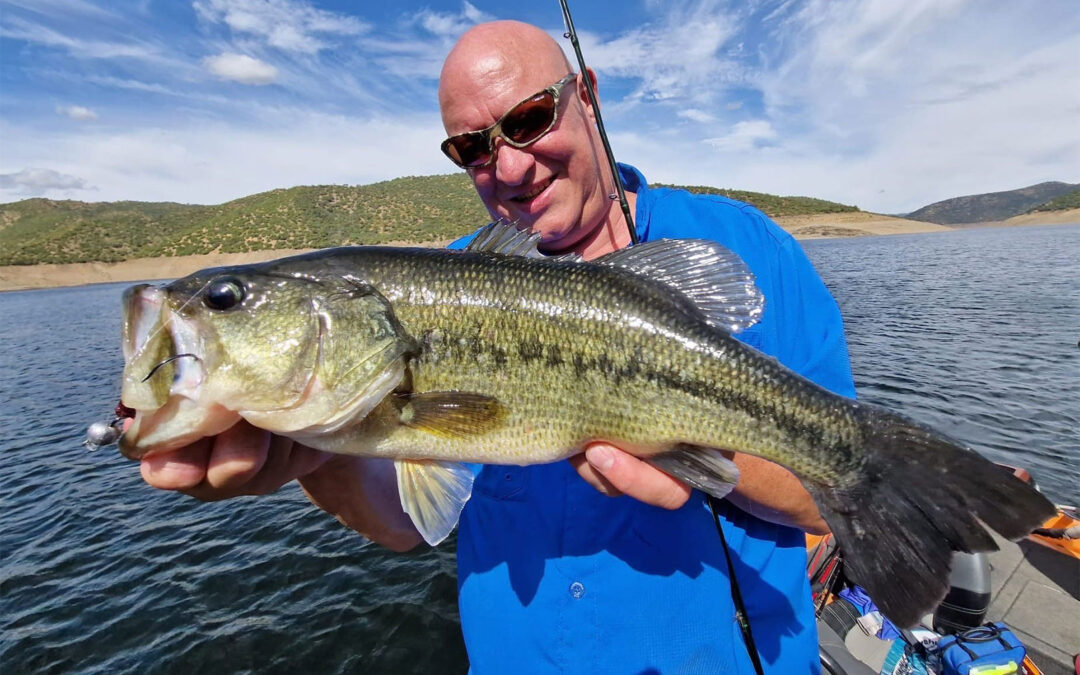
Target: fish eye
(223, 294)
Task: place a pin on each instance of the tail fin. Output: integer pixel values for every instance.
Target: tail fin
(922, 497)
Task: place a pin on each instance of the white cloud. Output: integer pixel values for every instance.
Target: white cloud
(35, 182)
(284, 24)
(677, 59)
(744, 135)
(77, 112)
(60, 8)
(450, 25)
(14, 28)
(696, 115)
(213, 162)
(925, 99)
(888, 105)
(127, 83)
(241, 68)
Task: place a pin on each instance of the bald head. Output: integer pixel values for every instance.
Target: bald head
(554, 182)
(500, 53)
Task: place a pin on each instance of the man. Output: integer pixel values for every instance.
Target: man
(622, 571)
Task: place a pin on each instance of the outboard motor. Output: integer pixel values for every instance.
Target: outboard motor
(968, 600)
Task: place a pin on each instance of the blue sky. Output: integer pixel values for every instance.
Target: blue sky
(885, 104)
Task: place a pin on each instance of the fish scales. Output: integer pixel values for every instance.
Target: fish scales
(433, 358)
(676, 380)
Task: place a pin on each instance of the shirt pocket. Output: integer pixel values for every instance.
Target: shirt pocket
(503, 483)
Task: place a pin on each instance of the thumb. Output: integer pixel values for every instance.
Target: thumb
(636, 478)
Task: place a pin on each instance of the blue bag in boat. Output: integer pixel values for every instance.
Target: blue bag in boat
(992, 649)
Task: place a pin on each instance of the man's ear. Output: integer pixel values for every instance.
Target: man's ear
(583, 94)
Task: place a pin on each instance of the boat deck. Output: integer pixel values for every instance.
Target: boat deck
(1036, 592)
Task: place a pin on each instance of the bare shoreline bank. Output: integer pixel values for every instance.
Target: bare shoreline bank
(819, 226)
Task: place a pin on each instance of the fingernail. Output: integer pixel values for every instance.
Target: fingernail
(601, 457)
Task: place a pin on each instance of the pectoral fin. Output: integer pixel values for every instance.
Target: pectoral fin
(452, 414)
(703, 468)
(433, 494)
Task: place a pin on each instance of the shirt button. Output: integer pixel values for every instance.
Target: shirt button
(577, 590)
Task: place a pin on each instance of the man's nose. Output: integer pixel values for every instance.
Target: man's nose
(511, 164)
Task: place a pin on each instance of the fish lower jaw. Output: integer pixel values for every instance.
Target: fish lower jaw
(180, 422)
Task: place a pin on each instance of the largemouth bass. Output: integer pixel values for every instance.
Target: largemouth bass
(496, 355)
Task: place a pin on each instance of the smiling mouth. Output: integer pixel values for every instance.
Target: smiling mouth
(532, 194)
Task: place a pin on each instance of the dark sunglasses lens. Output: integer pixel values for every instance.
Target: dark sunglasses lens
(467, 149)
(530, 119)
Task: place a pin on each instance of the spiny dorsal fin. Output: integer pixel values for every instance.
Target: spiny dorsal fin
(714, 278)
(505, 238)
(452, 414)
(433, 494)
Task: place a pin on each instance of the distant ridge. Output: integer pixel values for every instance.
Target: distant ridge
(1069, 200)
(416, 209)
(772, 205)
(994, 206)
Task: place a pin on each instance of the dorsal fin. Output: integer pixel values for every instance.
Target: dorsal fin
(714, 278)
(505, 238)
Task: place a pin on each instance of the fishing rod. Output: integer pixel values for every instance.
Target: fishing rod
(621, 193)
(736, 594)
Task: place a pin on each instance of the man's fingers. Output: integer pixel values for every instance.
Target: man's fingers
(594, 477)
(279, 461)
(239, 453)
(629, 475)
(177, 470)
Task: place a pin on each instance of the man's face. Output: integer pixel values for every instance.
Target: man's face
(553, 186)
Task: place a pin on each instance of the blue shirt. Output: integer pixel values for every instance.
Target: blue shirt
(555, 577)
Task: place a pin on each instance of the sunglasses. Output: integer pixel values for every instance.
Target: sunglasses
(524, 124)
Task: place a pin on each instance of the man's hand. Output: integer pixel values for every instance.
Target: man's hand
(766, 490)
(361, 492)
(615, 473)
(240, 461)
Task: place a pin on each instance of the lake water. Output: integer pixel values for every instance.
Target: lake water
(974, 332)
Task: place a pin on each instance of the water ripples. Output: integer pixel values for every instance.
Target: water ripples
(971, 332)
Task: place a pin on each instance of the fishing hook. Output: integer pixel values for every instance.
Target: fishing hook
(168, 360)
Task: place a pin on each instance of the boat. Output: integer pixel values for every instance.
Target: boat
(1031, 586)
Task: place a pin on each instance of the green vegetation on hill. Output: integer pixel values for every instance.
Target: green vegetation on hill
(413, 209)
(991, 206)
(772, 205)
(1069, 200)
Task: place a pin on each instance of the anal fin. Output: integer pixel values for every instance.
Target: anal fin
(703, 468)
(433, 494)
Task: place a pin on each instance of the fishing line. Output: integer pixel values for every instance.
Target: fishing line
(570, 33)
(160, 328)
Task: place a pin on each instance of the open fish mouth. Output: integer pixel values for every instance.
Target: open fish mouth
(163, 371)
(161, 351)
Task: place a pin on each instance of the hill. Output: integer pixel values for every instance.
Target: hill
(1069, 200)
(992, 206)
(772, 205)
(412, 209)
(405, 209)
